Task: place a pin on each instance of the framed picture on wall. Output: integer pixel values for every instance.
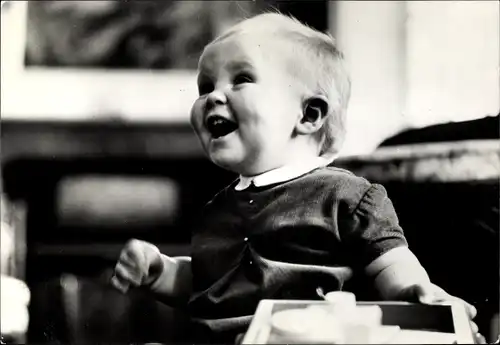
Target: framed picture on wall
(159, 35)
(133, 60)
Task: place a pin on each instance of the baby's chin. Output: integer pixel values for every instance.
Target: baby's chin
(237, 166)
(228, 163)
(237, 159)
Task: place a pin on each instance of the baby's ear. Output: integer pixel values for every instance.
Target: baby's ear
(314, 113)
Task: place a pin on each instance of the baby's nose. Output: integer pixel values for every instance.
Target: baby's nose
(215, 98)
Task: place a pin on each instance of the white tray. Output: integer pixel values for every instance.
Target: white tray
(419, 323)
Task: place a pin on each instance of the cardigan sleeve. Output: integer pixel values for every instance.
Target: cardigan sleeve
(372, 227)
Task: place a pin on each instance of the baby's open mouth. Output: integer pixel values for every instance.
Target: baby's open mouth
(219, 126)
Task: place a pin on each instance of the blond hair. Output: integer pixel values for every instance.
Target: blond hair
(317, 64)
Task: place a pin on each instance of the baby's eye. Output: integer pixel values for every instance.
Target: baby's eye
(205, 88)
(243, 78)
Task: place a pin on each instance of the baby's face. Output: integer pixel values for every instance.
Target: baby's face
(248, 106)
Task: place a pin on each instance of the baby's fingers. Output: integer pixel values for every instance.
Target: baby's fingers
(126, 276)
(479, 339)
(120, 285)
(471, 310)
(431, 294)
(474, 327)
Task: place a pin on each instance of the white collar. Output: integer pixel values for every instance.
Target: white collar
(282, 174)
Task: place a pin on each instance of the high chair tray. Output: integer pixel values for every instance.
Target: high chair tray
(418, 323)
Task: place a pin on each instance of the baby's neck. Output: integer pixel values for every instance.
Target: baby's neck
(295, 162)
(297, 153)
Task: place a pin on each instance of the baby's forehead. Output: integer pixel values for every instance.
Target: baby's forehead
(244, 48)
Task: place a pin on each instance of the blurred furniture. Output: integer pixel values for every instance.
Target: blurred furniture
(495, 329)
(88, 188)
(15, 297)
(486, 128)
(13, 237)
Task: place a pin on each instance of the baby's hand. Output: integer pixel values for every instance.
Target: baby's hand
(140, 263)
(432, 294)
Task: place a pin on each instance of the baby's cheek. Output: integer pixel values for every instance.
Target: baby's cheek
(197, 113)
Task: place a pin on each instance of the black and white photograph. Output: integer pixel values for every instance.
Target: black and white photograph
(250, 172)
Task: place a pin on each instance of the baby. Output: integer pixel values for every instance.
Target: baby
(272, 106)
